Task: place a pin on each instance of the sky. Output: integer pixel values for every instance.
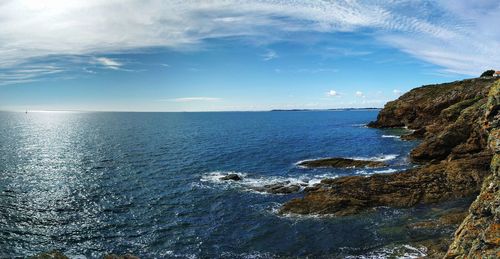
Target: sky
(232, 55)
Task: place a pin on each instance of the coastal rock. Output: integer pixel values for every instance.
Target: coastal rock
(479, 234)
(232, 177)
(279, 188)
(422, 106)
(460, 177)
(453, 153)
(339, 162)
(416, 134)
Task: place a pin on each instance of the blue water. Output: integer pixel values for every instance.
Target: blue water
(147, 183)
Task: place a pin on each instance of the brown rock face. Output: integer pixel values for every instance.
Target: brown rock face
(341, 163)
(479, 234)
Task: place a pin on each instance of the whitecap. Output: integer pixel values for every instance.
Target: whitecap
(400, 251)
(249, 183)
(385, 171)
(391, 136)
(377, 158)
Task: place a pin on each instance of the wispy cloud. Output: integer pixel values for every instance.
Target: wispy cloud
(459, 36)
(27, 73)
(397, 92)
(359, 94)
(194, 99)
(109, 63)
(270, 54)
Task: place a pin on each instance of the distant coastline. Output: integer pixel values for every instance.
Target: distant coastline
(313, 110)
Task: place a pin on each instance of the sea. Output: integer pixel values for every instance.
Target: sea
(148, 184)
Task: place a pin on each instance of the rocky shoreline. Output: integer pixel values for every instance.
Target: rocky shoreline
(458, 124)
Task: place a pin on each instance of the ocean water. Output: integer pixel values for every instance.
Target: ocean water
(89, 184)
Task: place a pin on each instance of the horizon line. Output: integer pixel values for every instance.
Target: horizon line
(131, 111)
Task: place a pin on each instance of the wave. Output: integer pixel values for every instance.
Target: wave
(367, 172)
(386, 171)
(400, 251)
(252, 183)
(391, 136)
(377, 158)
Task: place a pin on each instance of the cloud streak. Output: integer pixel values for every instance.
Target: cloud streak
(109, 63)
(462, 37)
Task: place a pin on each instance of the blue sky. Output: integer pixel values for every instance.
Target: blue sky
(220, 55)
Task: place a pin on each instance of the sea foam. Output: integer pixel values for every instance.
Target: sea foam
(250, 183)
(380, 158)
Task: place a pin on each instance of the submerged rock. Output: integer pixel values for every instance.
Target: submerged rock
(279, 188)
(233, 177)
(341, 163)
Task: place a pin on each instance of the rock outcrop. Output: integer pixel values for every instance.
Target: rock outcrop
(459, 126)
(453, 152)
(339, 162)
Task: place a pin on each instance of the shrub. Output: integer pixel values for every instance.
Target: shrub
(488, 73)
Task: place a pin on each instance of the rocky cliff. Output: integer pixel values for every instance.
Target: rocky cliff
(479, 234)
(458, 125)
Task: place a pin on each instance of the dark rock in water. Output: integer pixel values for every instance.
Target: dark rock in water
(54, 254)
(341, 163)
(285, 189)
(233, 177)
(278, 188)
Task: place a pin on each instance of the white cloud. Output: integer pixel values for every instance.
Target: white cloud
(332, 93)
(195, 99)
(359, 94)
(270, 54)
(28, 73)
(109, 63)
(461, 36)
(397, 92)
